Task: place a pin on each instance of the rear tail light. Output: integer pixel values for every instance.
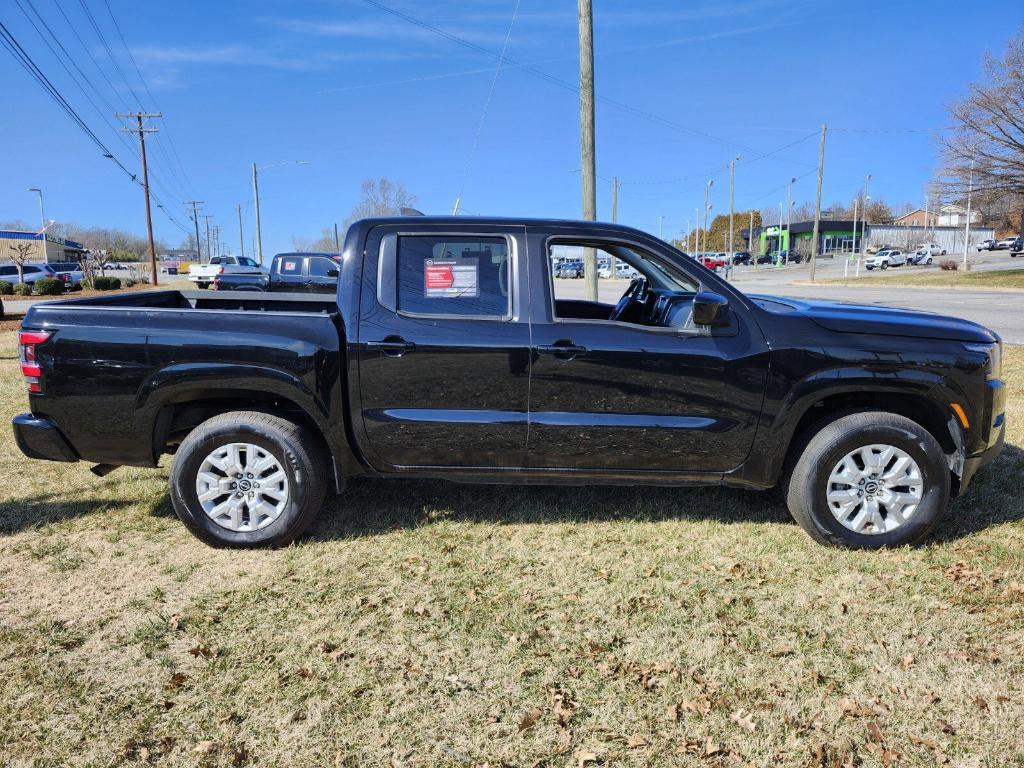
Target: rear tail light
(220, 271)
(27, 342)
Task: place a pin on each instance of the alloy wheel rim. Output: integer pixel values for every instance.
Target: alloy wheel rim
(242, 487)
(875, 489)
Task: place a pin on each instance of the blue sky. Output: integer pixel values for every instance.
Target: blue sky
(359, 92)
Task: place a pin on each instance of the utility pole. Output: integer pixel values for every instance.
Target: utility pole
(789, 220)
(195, 220)
(863, 225)
(967, 230)
(142, 131)
(750, 240)
(259, 234)
(732, 188)
(209, 252)
(586, 38)
(853, 248)
(696, 231)
(661, 227)
(216, 239)
(241, 235)
(707, 209)
(615, 218)
(337, 242)
(817, 202)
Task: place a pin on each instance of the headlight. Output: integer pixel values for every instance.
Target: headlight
(994, 353)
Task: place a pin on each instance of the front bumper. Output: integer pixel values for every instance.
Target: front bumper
(40, 439)
(994, 414)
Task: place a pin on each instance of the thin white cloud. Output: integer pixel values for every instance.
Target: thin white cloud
(238, 55)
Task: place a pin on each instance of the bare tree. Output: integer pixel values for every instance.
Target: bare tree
(19, 255)
(380, 197)
(988, 129)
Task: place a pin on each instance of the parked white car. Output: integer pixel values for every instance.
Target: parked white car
(884, 259)
(202, 274)
(622, 269)
(933, 249)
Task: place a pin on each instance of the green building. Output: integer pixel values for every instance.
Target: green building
(834, 236)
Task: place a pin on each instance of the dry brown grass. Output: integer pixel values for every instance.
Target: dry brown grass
(433, 624)
(1001, 279)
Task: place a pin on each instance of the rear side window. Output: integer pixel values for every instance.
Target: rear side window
(462, 276)
(321, 267)
(290, 265)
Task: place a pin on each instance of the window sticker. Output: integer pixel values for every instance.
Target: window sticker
(450, 279)
(290, 265)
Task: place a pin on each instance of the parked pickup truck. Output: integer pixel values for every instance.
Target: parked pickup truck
(449, 351)
(292, 272)
(202, 274)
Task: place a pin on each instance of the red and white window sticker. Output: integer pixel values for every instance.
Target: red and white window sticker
(450, 279)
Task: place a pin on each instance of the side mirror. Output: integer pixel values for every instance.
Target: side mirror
(710, 309)
(332, 273)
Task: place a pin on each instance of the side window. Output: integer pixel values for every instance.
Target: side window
(321, 267)
(4, 271)
(290, 265)
(215, 260)
(465, 276)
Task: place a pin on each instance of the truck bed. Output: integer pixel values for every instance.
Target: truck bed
(116, 366)
(205, 300)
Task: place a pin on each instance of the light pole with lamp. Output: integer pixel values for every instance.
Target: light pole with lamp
(732, 189)
(256, 199)
(42, 219)
(789, 216)
(863, 225)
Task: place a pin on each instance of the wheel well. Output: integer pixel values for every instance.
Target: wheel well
(917, 408)
(176, 420)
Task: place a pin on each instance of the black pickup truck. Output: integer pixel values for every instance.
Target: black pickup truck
(450, 352)
(289, 272)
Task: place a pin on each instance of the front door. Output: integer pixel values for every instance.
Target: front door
(322, 275)
(443, 348)
(635, 395)
(290, 277)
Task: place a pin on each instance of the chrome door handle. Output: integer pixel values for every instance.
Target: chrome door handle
(563, 350)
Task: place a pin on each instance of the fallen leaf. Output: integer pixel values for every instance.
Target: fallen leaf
(907, 661)
(945, 727)
(206, 747)
(174, 622)
(875, 732)
(239, 756)
(563, 743)
(331, 651)
(980, 703)
(712, 748)
(744, 721)
(636, 742)
(200, 650)
(143, 755)
(175, 681)
(584, 757)
(530, 719)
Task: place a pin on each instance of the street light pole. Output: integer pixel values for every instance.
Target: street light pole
(732, 187)
(789, 216)
(863, 225)
(259, 231)
(707, 208)
(42, 219)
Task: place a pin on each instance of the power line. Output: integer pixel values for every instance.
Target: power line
(145, 85)
(556, 80)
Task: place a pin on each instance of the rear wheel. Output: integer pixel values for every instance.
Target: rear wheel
(248, 479)
(870, 480)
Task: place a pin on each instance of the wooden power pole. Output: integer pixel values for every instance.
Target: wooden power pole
(142, 130)
(589, 167)
(817, 202)
(241, 234)
(195, 220)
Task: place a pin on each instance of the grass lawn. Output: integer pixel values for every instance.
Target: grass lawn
(1000, 278)
(426, 624)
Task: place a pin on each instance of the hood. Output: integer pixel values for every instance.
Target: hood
(886, 321)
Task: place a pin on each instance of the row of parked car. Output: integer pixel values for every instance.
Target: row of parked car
(68, 271)
(1013, 244)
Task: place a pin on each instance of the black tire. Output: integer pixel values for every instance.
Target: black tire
(807, 485)
(296, 450)
(202, 286)
(885, 265)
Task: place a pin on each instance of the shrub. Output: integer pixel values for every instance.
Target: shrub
(49, 286)
(22, 289)
(106, 283)
(128, 283)
(6, 288)
(949, 266)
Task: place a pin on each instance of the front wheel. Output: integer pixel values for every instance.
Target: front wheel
(248, 479)
(885, 265)
(868, 267)
(870, 480)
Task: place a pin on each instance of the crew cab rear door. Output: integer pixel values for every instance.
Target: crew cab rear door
(443, 347)
(610, 396)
